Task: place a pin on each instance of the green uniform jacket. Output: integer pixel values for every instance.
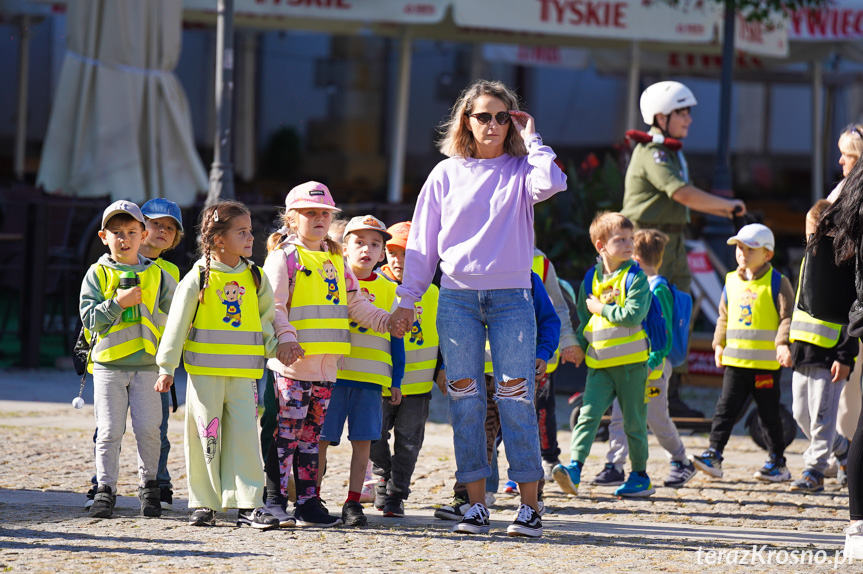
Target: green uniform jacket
(654, 174)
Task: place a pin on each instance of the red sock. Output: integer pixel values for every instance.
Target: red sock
(353, 496)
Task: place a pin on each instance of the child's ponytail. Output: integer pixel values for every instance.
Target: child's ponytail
(255, 276)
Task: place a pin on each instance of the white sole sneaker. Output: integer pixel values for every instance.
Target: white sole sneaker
(784, 477)
(467, 528)
(708, 470)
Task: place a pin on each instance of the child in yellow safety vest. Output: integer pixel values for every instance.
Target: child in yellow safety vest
(123, 355)
(751, 341)
(823, 355)
(376, 363)
(649, 246)
(615, 346)
(406, 420)
(164, 222)
(222, 329)
(312, 325)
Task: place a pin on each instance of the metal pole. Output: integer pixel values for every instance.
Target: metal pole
(722, 175)
(817, 131)
(23, 85)
(397, 159)
(222, 170)
(632, 92)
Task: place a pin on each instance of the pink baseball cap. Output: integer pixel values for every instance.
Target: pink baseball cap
(310, 195)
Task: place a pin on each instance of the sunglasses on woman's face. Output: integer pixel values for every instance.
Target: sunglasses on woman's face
(502, 118)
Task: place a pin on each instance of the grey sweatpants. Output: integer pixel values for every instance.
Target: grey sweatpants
(115, 393)
(815, 406)
(658, 421)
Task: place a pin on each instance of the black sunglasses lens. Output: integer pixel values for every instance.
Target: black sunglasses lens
(483, 117)
(502, 118)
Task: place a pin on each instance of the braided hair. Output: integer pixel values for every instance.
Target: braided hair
(216, 220)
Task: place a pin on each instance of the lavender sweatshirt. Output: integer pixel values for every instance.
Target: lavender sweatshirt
(476, 217)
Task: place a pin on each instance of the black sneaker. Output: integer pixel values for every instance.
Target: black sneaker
(276, 506)
(90, 495)
(394, 507)
(353, 515)
(313, 513)
(680, 473)
(257, 518)
(166, 498)
(455, 510)
(526, 523)
(203, 517)
(380, 494)
(103, 502)
(149, 495)
(475, 521)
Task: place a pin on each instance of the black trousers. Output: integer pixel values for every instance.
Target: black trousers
(737, 384)
(855, 470)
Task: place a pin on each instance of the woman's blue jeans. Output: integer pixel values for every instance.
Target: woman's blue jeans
(508, 317)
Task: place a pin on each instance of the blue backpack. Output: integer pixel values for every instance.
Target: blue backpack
(654, 323)
(682, 313)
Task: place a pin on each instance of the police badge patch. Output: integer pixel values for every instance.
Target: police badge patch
(659, 156)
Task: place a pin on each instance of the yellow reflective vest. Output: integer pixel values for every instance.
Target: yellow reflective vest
(609, 344)
(370, 359)
(122, 338)
(752, 322)
(421, 347)
(174, 272)
(540, 267)
(806, 328)
(225, 339)
(319, 306)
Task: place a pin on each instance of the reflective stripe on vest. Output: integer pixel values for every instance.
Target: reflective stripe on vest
(752, 323)
(127, 338)
(808, 329)
(611, 345)
(319, 307)
(370, 359)
(657, 372)
(421, 347)
(174, 272)
(226, 338)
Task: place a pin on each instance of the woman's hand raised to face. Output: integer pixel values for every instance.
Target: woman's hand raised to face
(523, 122)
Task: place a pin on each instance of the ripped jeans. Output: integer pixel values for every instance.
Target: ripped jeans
(462, 320)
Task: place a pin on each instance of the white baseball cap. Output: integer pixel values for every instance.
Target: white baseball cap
(367, 222)
(122, 206)
(754, 235)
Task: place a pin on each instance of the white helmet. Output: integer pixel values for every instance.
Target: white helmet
(664, 98)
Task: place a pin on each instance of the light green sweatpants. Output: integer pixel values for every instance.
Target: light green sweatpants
(627, 383)
(223, 457)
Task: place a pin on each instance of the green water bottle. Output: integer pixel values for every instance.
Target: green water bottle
(128, 280)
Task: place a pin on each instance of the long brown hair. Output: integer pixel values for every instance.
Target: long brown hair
(457, 140)
(216, 220)
(289, 225)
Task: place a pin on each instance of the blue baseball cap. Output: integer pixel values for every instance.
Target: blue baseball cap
(160, 207)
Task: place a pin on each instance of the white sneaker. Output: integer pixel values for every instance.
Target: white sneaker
(490, 499)
(540, 508)
(547, 467)
(854, 541)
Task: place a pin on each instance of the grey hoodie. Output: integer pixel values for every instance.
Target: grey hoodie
(98, 314)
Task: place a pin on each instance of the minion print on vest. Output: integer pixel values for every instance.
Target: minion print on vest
(746, 299)
(417, 329)
(232, 299)
(331, 278)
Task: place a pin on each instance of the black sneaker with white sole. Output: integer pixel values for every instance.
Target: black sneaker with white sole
(166, 498)
(91, 494)
(475, 521)
(313, 513)
(257, 518)
(202, 517)
(526, 523)
(455, 510)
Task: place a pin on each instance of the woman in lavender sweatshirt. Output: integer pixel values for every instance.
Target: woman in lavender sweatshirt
(475, 215)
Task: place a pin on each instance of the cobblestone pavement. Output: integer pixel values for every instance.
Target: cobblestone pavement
(46, 461)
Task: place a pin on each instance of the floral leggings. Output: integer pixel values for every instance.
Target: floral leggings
(302, 407)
